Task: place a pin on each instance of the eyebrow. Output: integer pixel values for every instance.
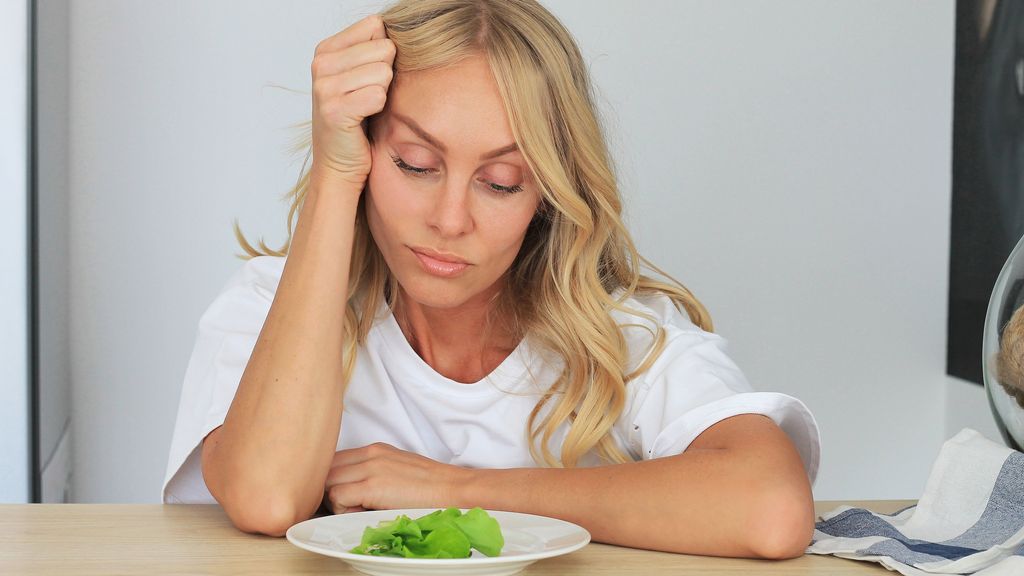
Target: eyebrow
(436, 144)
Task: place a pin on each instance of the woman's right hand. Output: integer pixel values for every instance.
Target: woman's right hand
(351, 74)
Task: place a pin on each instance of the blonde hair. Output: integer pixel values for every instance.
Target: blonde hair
(578, 262)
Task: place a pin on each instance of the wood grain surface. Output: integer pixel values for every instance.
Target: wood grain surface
(56, 539)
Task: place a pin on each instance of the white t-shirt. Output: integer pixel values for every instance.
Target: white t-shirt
(397, 398)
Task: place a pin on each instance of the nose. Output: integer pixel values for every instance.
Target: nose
(451, 215)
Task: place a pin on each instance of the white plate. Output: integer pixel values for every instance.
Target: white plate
(528, 538)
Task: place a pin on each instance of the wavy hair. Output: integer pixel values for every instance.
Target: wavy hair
(577, 263)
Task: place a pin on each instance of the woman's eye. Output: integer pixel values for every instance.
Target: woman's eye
(417, 171)
(506, 189)
(408, 167)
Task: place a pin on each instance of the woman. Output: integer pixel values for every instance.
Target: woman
(461, 321)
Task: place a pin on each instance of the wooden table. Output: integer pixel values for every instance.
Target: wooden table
(55, 539)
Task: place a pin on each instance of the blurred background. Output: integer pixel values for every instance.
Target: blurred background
(789, 161)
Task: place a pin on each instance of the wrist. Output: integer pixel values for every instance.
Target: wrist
(476, 487)
(331, 192)
(326, 208)
(330, 179)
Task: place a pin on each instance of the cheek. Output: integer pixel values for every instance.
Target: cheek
(509, 225)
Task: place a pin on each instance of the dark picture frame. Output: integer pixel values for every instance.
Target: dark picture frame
(988, 168)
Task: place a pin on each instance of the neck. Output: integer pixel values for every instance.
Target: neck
(464, 344)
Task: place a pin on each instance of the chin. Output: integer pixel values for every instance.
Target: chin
(441, 295)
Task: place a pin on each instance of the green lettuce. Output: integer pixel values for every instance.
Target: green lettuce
(444, 533)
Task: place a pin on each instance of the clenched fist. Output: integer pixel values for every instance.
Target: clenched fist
(352, 71)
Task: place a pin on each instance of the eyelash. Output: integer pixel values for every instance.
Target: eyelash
(417, 171)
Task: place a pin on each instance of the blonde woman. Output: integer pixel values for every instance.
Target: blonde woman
(459, 319)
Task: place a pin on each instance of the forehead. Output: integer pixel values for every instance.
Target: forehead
(459, 104)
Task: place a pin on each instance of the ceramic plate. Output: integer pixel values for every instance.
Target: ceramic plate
(528, 538)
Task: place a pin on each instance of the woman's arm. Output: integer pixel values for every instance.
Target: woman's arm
(738, 490)
(267, 463)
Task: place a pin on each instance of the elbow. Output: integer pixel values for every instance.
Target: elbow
(268, 516)
(257, 508)
(783, 525)
(254, 505)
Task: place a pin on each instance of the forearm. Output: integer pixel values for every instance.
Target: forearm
(280, 433)
(708, 502)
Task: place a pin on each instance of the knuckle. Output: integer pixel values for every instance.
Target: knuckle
(377, 95)
(377, 449)
(319, 90)
(334, 496)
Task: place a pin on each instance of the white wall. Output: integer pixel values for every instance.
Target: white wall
(789, 161)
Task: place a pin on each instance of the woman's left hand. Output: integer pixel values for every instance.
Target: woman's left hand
(380, 476)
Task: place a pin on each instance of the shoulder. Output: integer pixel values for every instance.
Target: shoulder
(651, 323)
(263, 272)
(246, 296)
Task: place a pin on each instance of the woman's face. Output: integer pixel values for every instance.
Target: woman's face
(449, 196)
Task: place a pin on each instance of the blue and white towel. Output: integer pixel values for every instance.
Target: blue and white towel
(970, 519)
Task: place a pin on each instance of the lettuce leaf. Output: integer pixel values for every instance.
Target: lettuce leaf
(438, 518)
(482, 530)
(444, 542)
(444, 533)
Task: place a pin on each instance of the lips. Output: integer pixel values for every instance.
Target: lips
(439, 263)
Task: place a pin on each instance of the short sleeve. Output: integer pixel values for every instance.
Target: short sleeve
(692, 385)
(227, 333)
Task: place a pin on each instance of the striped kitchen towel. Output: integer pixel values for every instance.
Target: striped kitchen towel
(970, 519)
